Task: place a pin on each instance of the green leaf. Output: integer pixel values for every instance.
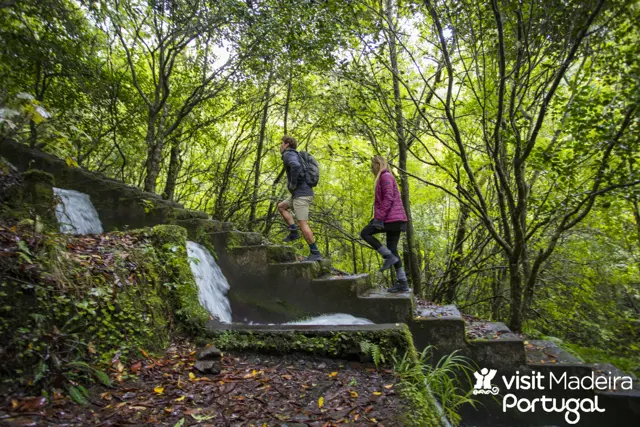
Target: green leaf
(76, 394)
(102, 377)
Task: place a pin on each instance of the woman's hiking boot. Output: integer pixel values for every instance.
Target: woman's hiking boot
(389, 258)
(399, 286)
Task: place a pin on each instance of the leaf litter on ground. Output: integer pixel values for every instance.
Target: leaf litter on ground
(252, 389)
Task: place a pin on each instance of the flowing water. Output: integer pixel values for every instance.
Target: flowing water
(212, 285)
(75, 213)
(333, 319)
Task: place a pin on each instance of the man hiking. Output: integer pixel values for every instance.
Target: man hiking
(301, 197)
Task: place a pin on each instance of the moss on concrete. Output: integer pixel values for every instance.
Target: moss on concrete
(171, 245)
(324, 342)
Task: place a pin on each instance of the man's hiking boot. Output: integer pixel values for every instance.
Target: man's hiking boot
(313, 257)
(389, 260)
(399, 286)
(293, 235)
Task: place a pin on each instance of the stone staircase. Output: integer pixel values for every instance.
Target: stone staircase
(268, 285)
(269, 278)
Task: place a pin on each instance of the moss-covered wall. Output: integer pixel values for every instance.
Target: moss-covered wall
(65, 299)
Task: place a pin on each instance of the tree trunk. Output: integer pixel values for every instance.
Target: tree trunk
(155, 145)
(175, 164)
(274, 187)
(456, 255)
(413, 267)
(515, 282)
(256, 180)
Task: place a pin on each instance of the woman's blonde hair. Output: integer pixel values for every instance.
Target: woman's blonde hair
(378, 165)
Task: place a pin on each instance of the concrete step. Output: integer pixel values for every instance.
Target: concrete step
(438, 326)
(541, 352)
(349, 285)
(380, 306)
(296, 271)
(489, 330)
(261, 255)
(440, 312)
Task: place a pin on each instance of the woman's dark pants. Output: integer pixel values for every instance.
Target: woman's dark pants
(393, 230)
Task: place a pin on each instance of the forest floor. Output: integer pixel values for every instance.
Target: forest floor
(258, 390)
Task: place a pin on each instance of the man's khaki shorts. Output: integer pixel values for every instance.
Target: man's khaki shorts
(300, 206)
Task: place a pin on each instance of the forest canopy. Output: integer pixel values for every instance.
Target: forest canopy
(512, 128)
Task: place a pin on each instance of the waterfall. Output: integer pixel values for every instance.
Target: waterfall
(333, 319)
(212, 285)
(75, 213)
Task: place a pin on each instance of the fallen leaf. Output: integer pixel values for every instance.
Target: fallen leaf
(333, 374)
(353, 393)
(180, 399)
(376, 393)
(192, 376)
(144, 353)
(136, 367)
(287, 377)
(90, 348)
(158, 389)
(106, 395)
(388, 386)
(320, 401)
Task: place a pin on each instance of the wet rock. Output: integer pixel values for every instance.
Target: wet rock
(209, 367)
(208, 352)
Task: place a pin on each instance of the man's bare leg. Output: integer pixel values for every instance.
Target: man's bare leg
(283, 208)
(306, 231)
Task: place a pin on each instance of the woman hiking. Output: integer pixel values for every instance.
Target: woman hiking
(390, 218)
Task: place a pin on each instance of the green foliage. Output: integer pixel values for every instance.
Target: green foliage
(82, 301)
(342, 344)
(448, 381)
(630, 364)
(133, 88)
(370, 349)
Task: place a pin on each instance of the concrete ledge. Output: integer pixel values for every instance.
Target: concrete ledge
(446, 334)
(382, 306)
(340, 286)
(499, 353)
(292, 272)
(342, 341)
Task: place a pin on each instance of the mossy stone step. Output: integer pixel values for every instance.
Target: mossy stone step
(489, 330)
(379, 305)
(261, 255)
(444, 311)
(546, 352)
(356, 284)
(295, 271)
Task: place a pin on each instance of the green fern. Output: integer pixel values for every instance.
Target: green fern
(442, 381)
(371, 349)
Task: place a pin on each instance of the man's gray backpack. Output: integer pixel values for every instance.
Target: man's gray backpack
(311, 168)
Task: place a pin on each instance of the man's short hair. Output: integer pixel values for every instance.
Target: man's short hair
(291, 141)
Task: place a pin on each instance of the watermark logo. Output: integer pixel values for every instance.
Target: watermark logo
(522, 389)
(483, 382)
